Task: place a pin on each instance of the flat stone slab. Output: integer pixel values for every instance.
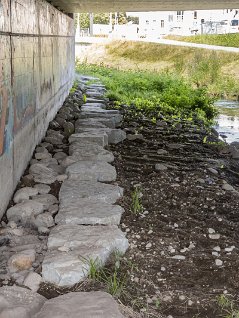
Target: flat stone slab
(102, 111)
(90, 213)
(75, 192)
(95, 123)
(93, 105)
(71, 248)
(82, 305)
(117, 118)
(18, 302)
(114, 135)
(91, 171)
(99, 138)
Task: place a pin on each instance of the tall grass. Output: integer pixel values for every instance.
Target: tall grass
(215, 70)
(229, 40)
(154, 94)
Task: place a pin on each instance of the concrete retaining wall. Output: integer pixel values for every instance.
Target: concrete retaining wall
(36, 73)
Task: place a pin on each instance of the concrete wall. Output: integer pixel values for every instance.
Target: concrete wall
(36, 73)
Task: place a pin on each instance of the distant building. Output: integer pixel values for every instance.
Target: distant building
(157, 24)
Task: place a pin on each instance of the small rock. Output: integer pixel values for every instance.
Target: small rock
(60, 155)
(215, 253)
(46, 199)
(227, 187)
(21, 261)
(44, 220)
(162, 152)
(217, 248)
(33, 281)
(178, 257)
(24, 194)
(190, 303)
(218, 262)
(182, 297)
(43, 155)
(160, 167)
(213, 171)
(42, 188)
(43, 230)
(214, 236)
(53, 209)
(229, 249)
(43, 174)
(211, 231)
(149, 245)
(23, 212)
(61, 177)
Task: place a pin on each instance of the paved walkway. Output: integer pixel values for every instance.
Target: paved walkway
(87, 221)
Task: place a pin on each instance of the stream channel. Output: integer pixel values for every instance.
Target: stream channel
(227, 122)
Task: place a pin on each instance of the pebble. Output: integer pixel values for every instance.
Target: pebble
(150, 232)
(213, 171)
(211, 231)
(214, 236)
(42, 188)
(160, 167)
(218, 262)
(217, 248)
(229, 249)
(215, 253)
(149, 245)
(178, 257)
(190, 302)
(227, 187)
(182, 297)
(33, 281)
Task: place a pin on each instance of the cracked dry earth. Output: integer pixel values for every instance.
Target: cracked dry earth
(184, 242)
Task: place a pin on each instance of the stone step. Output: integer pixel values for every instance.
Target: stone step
(73, 248)
(90, 213)
(75, 192)
(87, 152)
(117, 118)
(102, 111)
(95, 123)
(95, 105)
(91, 171)
(81, 305)
(18, 302)
(99, 138)
(114, 135)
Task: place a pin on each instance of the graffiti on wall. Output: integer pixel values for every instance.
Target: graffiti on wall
(5, 102)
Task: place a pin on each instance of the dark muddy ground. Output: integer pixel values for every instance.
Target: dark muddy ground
(184, 242)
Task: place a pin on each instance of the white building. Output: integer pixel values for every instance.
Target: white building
(157, 24)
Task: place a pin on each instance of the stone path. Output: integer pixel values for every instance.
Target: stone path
(85, 226)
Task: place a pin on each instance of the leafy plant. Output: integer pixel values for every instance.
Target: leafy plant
(227, 306)
(136, 205)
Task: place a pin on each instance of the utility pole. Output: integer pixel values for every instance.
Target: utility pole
(91, 24)
(77, 26)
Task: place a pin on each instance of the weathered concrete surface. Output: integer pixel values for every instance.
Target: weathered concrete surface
(82, 305)
(37, 71)
(71, 248)
(146, 5)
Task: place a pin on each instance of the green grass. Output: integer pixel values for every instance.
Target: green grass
(217, 71)
(229, 40)
(154, 94)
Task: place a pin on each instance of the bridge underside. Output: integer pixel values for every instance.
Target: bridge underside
(71, 6)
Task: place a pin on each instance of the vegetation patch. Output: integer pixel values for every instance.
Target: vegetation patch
(154, 94)
(217, 71)
(229, 40)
